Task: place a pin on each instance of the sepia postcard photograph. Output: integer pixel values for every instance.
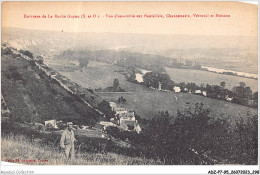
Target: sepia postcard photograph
(129, 83)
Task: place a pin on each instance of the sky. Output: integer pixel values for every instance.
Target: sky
(243, 20)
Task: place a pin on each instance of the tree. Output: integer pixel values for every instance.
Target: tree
(83, 62)
(106, 109)
(121, 100)
(39, 59)
(248, 93)
(116, 84)
(238, 91)
(242, 84)
(27, 53)
(223, 84)
(255, 96)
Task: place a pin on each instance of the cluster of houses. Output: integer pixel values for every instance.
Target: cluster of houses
(177, 89)
(125, 119)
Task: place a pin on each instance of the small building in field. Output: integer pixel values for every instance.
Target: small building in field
(176, 89)
(204, 93)
(197, 91)
(229, 99)
(52, 123)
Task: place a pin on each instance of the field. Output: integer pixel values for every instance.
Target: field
(147, 102)
(31, 153)
(198, 77)
(96, 75)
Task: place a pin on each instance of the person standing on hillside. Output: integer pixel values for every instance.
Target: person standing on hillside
(67, 141)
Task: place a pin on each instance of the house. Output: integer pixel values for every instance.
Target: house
(229, 98)
(176, 89)
(131, 126)
(160, 86)
(138, 128)
(120, 111)
(130, 116)
(100, 127)
(204, 93)
(52, 123)
(107, 123)
(128, 125)
(112, 105)
(197, 91)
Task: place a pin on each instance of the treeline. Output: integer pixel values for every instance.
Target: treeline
(122, 58)
(240, 94)
(115, 88)
(192, 137)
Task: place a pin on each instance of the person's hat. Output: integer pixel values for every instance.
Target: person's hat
(69, 123)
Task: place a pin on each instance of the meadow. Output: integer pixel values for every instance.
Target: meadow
(198, 77)
(95, 75)
(32, 153)
(147, 102)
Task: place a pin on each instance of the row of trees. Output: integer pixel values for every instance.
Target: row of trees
(115, 88)
(240, 94)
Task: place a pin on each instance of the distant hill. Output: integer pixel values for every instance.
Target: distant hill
(237, 52)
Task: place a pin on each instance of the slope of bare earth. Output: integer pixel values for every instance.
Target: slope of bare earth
(33, 97)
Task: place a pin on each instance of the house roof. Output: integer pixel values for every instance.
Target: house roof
(120, 109)
(106, 123)
(127, 115)
(129, 123)
(50, 121)
(98, 126)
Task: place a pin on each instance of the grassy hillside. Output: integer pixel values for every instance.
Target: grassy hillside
(148, 104)
(33, 97)
(20, 148)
